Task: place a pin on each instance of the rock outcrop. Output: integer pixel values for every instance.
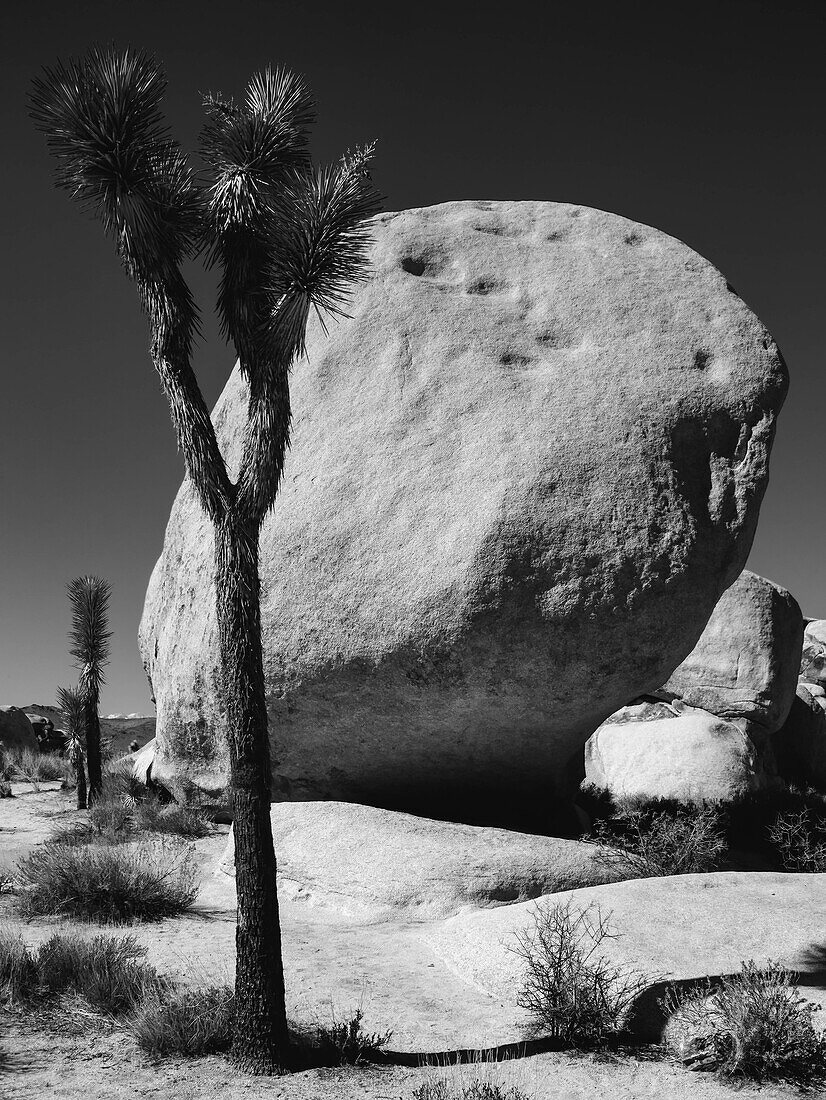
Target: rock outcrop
(813, 660)
(16, 731)
(377, 863)
(522, 473)
(652, 750)
(713, 737)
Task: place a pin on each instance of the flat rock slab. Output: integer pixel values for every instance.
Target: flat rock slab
(678, 927)
(376, 863)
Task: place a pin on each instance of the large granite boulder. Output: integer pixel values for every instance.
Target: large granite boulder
(378, 863)
(16, 731)
(746, 663)
(650, 750)
(522, 473)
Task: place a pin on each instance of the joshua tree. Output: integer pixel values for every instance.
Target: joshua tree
(71, 702)
(287, 239)
(89, 597)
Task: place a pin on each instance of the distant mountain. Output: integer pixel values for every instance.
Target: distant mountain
(122, 729)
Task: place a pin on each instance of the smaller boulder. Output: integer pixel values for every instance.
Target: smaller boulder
(656, 750)
(16, 731)
(746, 663)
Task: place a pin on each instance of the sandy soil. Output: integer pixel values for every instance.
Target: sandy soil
(334, 963)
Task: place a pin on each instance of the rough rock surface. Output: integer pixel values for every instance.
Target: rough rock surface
(379, 863)
(813, 660)
(687, 754)
(746, 663)
(16, 731)
(522, 473)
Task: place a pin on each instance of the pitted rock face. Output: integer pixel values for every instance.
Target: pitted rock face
(522, 473)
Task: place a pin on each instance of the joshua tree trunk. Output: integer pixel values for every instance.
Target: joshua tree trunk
(288, 239)
(80, 774)
(261, 1037)
(93, 764)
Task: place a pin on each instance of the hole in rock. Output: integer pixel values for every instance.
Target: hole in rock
(702, 359)
(413, 267)
(482, 286)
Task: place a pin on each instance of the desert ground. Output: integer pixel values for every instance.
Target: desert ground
(439, 984)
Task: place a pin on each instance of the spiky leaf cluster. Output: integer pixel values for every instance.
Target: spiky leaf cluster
(71, 701)
(323, 248)
(89, 635)
(102, 120)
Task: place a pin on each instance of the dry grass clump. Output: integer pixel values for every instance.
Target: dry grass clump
(18, 971)
(440, 1088)
(106, 883)
(651, 844)
(755, 1025)
(570, 990)
(191, 1022)
(103, 970)
(31, 766)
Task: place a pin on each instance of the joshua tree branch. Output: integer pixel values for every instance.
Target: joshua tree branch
(172, 322)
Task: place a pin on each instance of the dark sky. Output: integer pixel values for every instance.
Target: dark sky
(705, 120)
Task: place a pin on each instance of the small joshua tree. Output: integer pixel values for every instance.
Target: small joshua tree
(89, 637)
(72, 703)
(287, 238)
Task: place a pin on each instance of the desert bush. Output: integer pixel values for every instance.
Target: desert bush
(190, 1022)
(652, 844)
(18, 969)
(440, 1088)
(104, 883)
(154, 816)
(800, 840)
(345, 1042)
(104, 970)
(569, 989)
(754, 1025)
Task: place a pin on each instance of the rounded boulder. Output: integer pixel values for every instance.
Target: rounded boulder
(522, 472)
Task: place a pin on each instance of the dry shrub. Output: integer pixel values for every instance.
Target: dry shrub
(570, 990)
(653, 844)
(754, 1025)
(346, 1043)
(800, 840)
(108, 884)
